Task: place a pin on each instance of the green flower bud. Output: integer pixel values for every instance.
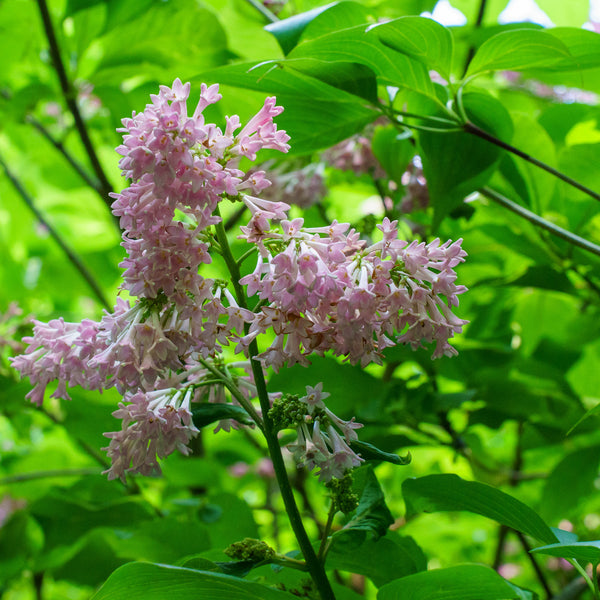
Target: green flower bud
(250, 549)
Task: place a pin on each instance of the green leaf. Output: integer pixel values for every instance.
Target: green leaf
(436, 493)
(544, 277)
(457, 163)
(148, 581)
(380, 560)
(359, 45)
(569, 483)
(340, 15)
(370, 452)
(583, 47)
(565, 537)
(353, 78)
(372, 514)
(207, 413)
(287, 32)
(463, 582)
(393, 150)
(423, 39)
(518, 50)
(316, 115)
(583, 552)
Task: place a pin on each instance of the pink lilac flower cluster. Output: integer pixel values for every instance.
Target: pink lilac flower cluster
(327, 291)
(301, 187)
(355, 154)
(323, 439)
(321, 289)
(416, 195)
(180, 168)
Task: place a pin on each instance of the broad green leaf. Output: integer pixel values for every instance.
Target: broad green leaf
(207, 413)
(380, 560)
(565, 537)
(423, 39)
(351, 387)
(148, 581)
(518, 50)
(287, 32)
(435, 493)
(583, 552)
(353, 78)
(359, 45)
(463, 582)
(544, 277)
(144, 46)
(393, 150)
(164, 540)
(316, 115)
(228, 519)
(569, 483)
(22, 538)
(583, 47)
(340, 15)
(372, 514)
(457, 163)
(370, 452)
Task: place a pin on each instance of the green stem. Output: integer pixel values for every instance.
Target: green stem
(587, 578)
(286, 561)
(315, 567)
(540, 222)
(73, 258)
(477, 25)
(243, 257)
(324, 540)
(235, 392)
(77, 167)
(474, 130)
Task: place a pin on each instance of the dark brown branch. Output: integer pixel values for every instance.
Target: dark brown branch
(71, 101)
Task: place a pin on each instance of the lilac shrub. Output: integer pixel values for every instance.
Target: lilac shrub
(318, 290)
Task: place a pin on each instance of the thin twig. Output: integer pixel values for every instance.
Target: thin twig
(477, 25)
(234, 218)
(568, 236)
(263, 10)
(22, 477)
(69, 95)
(73, 258)
(484, 135)
(533, 560)
(77, 167)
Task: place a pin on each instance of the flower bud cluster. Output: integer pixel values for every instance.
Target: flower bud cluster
(250, 549)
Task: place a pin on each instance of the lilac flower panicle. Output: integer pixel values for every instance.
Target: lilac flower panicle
(180, 168)
(325, 290)
(320, 289)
